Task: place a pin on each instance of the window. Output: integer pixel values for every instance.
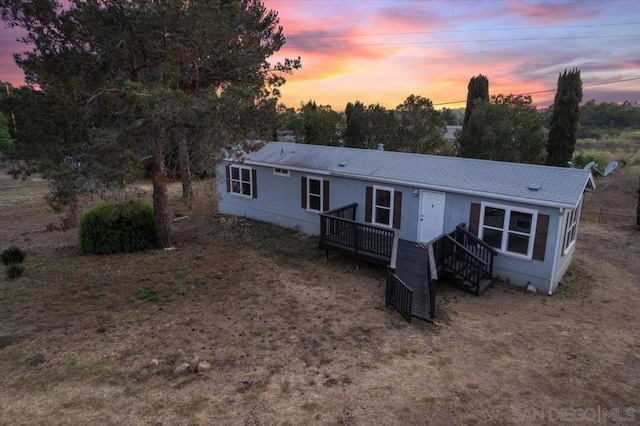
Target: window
(571, 228)
(382, 206)
(281, 172)
(508, 229)
(242, 181)
(314, 194)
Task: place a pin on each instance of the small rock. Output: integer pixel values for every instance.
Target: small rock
(331, 382)
(182, 368)
(531, 288)
(143, 374)
(194, 363)
(155, 361)
(203, 366)
(180, 352)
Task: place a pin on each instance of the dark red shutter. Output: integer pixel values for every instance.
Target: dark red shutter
(540, 243)
(304, 192)
(397, 208)
(325, 195)
(474, 218)
(228, 177)
(254, 183)
(368, 204)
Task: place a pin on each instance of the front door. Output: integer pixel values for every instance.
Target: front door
(431, 220)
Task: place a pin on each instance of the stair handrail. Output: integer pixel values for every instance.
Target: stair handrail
(477, 240)
(334, 212)
(466, 250)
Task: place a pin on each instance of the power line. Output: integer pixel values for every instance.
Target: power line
(463, 31)
(550, 90)
(471, 41)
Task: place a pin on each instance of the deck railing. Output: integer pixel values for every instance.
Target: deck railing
(399, 296)
(339, 230)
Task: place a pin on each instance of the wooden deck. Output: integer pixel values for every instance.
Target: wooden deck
(340, 232)
(412, 267)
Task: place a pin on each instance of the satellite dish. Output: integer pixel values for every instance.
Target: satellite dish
(589, 166)
(610, 168)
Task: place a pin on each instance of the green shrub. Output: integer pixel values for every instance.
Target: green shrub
(117, 228)
(12, 255)
(601, 158)
(14, 270)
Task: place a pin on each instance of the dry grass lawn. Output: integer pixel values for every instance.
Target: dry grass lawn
(295, 340)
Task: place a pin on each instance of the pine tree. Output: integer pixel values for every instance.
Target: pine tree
(564, 119)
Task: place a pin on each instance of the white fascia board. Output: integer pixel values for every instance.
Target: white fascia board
(590, 181)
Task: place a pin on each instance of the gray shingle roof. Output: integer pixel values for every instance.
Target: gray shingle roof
(558, 186)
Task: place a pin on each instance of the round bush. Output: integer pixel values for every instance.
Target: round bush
(12, 255)
(14, 270)
(117, 228)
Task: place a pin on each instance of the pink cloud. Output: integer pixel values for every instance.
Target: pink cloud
(551, 13)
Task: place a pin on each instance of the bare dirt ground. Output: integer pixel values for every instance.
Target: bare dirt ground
(295, 340)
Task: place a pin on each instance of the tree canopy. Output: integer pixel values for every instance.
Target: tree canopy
(420, 127)
(508, 128)
(128, 76)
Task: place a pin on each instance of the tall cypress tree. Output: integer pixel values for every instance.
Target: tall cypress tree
(564, 119)
(354, 134)
(477, 92)
(478, 88)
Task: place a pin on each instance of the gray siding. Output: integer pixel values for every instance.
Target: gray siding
(279, 202)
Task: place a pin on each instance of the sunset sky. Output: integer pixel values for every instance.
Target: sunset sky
(377, 51)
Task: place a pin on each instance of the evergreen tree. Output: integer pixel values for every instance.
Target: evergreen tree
(564, 119)
(477, 95)
(477, 91)
(354, 134)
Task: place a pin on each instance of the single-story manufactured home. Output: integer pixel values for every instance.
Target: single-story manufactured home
(527, 215)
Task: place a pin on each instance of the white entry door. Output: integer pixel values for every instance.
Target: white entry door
(431, 220)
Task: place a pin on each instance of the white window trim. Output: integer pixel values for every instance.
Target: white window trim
(309, 178)
(231, 180)
(374, 220)
(505, 228)
(568, 226)
(279, 171)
